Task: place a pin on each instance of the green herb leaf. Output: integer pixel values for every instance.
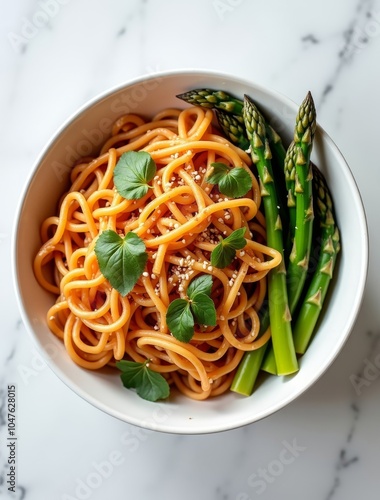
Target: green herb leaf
(233, 182)
(121, 260)
(203, 308)
(132, 173)
(224, 253)
(199, 307)
(149, 384)
(201, 284)
(180, 320)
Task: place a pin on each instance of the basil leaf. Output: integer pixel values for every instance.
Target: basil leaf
(203, 308)
(201, 284)
(132, 173)
(224, 253)
(222, 256)
(236, 239)
(180, 320)
(233, 182)
(121, 260)
(149, 385)
(220, 170)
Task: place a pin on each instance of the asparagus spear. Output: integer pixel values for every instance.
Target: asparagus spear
(220, 100)
(329, 240)
(277, 146)
(208, 98)
(289, 168)
(279, 313)
(278, 161)
(298, 265)
(233, 128)
(290, 175)
(299, 256)
(250, 364)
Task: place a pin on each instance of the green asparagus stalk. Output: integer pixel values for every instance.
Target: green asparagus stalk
(220, 100)
(250, 365)
(208, 98)
(329, 240)
(302, 231)
(290, 176)
(299, 256)
(277, 147)
(279, 314)
(279, 154)
(233, 128)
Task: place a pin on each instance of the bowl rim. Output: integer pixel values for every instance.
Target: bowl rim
(360, 286)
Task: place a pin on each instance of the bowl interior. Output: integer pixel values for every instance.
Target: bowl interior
(83, 134)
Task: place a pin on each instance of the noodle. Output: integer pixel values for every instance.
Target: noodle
(180, 220)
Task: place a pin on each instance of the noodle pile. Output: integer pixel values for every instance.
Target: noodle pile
(180, 219)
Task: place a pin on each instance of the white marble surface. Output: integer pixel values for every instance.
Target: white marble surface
(56, 54)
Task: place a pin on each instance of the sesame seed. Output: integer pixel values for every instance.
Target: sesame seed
(145, 274)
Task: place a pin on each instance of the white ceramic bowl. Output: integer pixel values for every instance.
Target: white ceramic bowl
(85, 131)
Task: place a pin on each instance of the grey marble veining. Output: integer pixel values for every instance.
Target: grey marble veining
(56, 54)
